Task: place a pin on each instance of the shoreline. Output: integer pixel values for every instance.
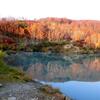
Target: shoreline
(30, 91)
(35, 93)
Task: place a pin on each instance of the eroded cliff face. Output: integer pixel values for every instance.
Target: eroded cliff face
(50, 29)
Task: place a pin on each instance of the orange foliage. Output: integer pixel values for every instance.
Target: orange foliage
(93, 40)
(53, 29)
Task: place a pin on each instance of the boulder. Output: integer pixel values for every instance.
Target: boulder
(12, 98)
(1, 85)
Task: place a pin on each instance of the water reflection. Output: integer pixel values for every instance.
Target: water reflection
(55, 67)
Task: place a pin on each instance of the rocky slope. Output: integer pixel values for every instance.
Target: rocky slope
(29, 91)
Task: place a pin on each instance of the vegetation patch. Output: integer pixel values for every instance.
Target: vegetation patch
(10, 74)
(49, 90)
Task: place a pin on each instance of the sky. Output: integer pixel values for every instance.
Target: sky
(35, 9)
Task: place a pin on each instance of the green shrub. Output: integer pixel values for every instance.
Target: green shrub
(2, 54)
(10, 74)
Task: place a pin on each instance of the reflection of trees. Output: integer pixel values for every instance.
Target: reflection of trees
(88, 70)
(60, 68)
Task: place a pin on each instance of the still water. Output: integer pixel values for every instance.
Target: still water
(77, 76)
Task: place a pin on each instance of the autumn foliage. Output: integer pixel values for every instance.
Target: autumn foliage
(51, 29)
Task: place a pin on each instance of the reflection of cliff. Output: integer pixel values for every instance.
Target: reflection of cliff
(51, 71)
(54, 71)
(48, 66)
(95, 65)
(88, 70)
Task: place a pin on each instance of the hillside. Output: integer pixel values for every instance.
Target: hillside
(25, 32)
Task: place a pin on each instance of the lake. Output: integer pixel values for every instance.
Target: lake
(77, 76)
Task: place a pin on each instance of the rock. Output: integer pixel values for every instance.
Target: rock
(12, 98)
(34, 98)
(67, 98)
(68, 46)
(1, 85)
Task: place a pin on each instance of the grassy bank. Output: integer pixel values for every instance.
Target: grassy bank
(10, 74)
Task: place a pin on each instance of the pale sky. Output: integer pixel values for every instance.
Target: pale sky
(30, 9)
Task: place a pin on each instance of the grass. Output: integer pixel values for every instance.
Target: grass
(10, 74)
